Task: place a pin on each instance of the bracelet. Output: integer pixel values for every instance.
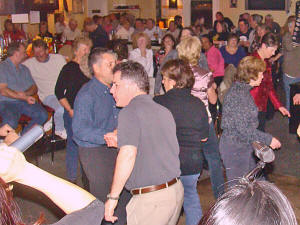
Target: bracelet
(112, 198)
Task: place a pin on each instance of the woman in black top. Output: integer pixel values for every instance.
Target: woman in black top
(69, 82)
(192, 127)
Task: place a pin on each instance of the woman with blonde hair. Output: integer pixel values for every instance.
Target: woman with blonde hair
(204, 88)
(69, 82)
(143, 54)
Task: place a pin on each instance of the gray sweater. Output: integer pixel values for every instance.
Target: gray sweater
(239, 117)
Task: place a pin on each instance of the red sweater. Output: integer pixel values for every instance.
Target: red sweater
(265, 90)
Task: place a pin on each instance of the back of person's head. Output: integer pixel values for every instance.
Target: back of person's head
(14, 47)
(180, 71)
(270, 40)
(251, 203)
(135, 73)
(39, 43)
(190, 49)
(249, 68)
(185, 30)
(121, 49)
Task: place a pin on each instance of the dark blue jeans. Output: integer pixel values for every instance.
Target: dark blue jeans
(72, 149)
(212, 156)
(11, 111)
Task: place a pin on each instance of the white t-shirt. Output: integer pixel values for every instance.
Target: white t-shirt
(45, 74)
(147, 62)
(69, 35)
(122, 33)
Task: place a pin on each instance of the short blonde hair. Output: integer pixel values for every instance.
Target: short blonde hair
(190, 49)
(81, 41)
(248, 69)
(137, 36)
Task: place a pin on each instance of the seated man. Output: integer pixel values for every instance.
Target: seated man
(16, 90)
(45, 69)
(71, 32)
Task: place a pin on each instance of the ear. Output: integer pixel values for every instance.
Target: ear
(172, 83)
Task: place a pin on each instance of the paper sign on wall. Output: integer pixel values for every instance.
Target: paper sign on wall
(19, 18)
(34, 17)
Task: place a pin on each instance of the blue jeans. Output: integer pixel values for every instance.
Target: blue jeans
(53, 102)
(286, 85)
(191, 202)
(212, 156)
(72, 150)
(11, 111)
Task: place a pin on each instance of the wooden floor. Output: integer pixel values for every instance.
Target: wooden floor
(33, 203)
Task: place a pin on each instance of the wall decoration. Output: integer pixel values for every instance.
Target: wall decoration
(233, 3)
(77, 6)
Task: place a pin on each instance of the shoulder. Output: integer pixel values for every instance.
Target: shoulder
(223, 49)
(57, 57)
(29, 62)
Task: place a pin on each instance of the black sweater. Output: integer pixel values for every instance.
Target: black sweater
(69, 82)
(192, 126)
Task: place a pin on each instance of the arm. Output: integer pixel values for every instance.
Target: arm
(211, 94)
(64, 102)
(83, 124)
(124, 166)
(67, 196)
(7, 92)
(32, 90)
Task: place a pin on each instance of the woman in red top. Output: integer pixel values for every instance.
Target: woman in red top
(265, 90)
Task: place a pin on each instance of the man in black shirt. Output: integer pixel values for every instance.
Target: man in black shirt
(97, 34)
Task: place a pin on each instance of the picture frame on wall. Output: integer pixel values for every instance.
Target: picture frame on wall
(45, 5)
(77, 6)
(233, 3)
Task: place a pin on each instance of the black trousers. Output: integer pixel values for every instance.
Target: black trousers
(99, 164)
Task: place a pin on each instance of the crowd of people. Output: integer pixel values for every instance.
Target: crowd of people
(142, 156)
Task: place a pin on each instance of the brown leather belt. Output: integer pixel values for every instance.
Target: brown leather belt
(152, 188)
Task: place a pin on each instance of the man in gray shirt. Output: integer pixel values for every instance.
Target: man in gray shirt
(148, 159)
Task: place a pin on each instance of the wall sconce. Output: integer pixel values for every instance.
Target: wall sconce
(173, 4)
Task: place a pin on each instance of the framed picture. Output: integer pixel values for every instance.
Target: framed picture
(77, 6)
(47, 5)
(233, 3)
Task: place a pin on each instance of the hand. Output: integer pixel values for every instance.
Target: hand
(272, 59)
(11, 137)
(284, 111)
(204, 140)
(12, 163)
(5, 129)
(30, 100)
(275, 144)
(298, 130)
(110, 206)
(71, 113)
(214, 85)
(296, 99)
(111, 139)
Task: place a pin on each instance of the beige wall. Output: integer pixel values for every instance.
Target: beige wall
(147, 7)
(233, 13)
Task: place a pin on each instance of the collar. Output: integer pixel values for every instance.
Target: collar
(179, 92)
(100, 87)
(244, 85)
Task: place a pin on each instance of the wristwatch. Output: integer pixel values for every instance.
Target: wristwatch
(112, 198)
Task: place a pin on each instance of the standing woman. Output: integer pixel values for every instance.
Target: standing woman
(205, 89)
(191, 129)
(69, 82)
(261, 93)
(169, 52)
(232, 52)
(240, 121)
